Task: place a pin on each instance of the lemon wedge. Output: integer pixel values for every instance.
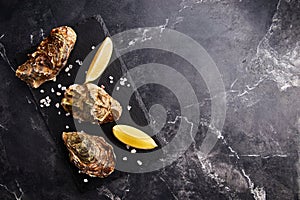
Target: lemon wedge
(100, 60)
(133, 137)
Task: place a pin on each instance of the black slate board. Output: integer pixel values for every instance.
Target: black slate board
(89, 33)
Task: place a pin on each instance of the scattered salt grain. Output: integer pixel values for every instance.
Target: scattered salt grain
(59, 85)
(111, 81)
(67, 127)
(52, 90)
(67, 69)
(85, 180)
(58, 93)
(111, 78)
(124, 158)
(117, 88)
(58, 113)
(69, 74)
(42, 91)
(79, 62)
(127, 147)
(92, 47)
(139, 162)
(63, 88)
(133, 151)
(128, 85)
(70, 66)
(57, 105)
(128, 107)
(67, 114)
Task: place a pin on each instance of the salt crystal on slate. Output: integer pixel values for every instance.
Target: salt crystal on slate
(125, 158)
(52, 90)
(133, 151)
(85, 180)
(111, 78)
(128, 107)
(117, 88)
(42, 91)
(92, 47)
(59, 85)
(69, 74)
(57, 105)
(58, 93)
(67, 114)
(67, 127)
(139, 162)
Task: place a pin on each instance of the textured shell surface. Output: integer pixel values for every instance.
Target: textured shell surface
(91, 103)
(49, 58)
(92, 155)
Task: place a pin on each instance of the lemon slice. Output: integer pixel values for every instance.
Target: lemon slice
(100, 60)
(133, 137)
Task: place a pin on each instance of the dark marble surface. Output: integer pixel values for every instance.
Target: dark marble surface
(256, 46)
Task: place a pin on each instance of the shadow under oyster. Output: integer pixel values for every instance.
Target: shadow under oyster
(91, 103)
(91, 154)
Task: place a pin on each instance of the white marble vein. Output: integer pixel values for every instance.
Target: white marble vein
(17, 197)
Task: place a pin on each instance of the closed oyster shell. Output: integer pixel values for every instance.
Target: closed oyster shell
(91, 103)
(92, 155)
(49, 58)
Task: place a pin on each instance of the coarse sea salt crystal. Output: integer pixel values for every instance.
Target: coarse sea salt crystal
(63, 88)
(133, 151)
(125, 158)
(42, 91)
(58, 93)
(57, 105)
(67, 114)
(59, 113)
(128, 107)
(117, 88)
(92, 47)
(69, 74)
(111, 78)
(59, 85)
(67, 127)
(85, 180)
(139, 162)
(52, 90)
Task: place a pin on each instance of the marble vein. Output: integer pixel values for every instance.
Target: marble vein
(13, 192)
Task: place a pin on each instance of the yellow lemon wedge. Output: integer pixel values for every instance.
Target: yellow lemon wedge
(100, 60)
(133, 137)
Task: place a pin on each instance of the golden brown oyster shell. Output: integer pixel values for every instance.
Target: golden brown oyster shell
(91, 103)
(49, 58)
(91, 154)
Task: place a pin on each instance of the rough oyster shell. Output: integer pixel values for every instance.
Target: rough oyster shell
(91, 154)
(49, 58)
(88, 102)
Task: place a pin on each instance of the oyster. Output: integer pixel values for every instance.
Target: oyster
(88, 102)
(91, 154)
(49, 58)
